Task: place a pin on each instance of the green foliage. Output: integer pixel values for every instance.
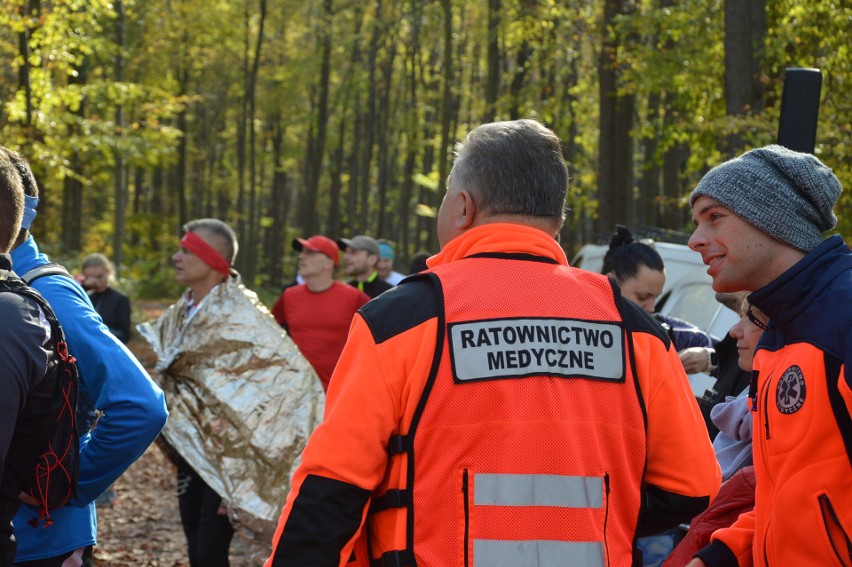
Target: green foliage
(149, 255)
(184, 136)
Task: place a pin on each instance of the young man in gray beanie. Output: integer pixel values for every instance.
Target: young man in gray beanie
(759, 222)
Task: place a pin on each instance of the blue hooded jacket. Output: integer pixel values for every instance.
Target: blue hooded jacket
(134, 413)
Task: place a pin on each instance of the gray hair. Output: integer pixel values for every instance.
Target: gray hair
(226, 235)
(513, 168)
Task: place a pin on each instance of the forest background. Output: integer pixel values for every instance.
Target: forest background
(290, 117)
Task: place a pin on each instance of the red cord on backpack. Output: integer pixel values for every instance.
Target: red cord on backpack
(55, 460)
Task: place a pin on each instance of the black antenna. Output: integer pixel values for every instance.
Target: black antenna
(797, 124)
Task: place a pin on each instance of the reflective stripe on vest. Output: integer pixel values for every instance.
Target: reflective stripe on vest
(540, 553)
(538, 490)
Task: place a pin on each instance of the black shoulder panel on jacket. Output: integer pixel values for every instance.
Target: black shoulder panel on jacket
(404, 307)
(325, 515)
(638, 320)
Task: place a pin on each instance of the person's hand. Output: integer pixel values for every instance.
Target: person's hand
(695, 563)
(694, 359)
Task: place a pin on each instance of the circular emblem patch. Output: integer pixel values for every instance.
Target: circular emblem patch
(790, 393)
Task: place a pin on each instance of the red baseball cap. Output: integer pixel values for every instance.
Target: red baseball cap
(318, 243)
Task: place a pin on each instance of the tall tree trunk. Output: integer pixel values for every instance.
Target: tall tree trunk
(569, 148)
(446, 114)
(182, 124)
(317, 153)
(370, 123)
(649, 180)
(253, 217)
(745, 30)
(492, 83)
(429, 78)
(276, 234)
(72, 187)
(242, 137)
(120, 169)
(673, 161)
(409, 222)
(30, 13)
(357, 127)
(334, 213)
(615, 160)
(180, 168)
(353, 221)
(385, 156)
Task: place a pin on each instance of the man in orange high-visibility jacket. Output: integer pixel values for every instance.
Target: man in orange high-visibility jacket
(502, 408)
(759, 223)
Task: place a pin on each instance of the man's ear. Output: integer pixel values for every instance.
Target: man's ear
(468, 211)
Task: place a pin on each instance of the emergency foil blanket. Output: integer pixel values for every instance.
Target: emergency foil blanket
(242, 398)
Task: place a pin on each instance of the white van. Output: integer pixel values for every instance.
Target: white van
(687, 294)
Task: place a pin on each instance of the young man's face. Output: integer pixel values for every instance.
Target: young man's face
(358, 262)
(739, 256)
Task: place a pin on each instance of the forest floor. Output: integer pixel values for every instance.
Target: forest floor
(142, 528)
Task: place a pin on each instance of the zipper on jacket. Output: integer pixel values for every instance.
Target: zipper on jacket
(766, 406)
(765, 544)
(466, 495)
(834, 530)
(606, 516)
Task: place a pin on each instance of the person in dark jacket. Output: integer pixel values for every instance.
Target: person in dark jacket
(760, 220)
(113, 306)
(639, 271)
(360, 260)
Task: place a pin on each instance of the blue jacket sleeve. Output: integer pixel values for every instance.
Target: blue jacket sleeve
(134, 408)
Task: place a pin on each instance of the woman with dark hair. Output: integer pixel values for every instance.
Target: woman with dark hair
(639, 272)
(638, 269)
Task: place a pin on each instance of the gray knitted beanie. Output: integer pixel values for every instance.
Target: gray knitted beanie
(786, 194)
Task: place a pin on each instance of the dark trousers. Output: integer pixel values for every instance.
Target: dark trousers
(208, 533)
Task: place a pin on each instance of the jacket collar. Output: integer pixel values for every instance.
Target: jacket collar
(27, 256)
(506, 238)
(788, 296)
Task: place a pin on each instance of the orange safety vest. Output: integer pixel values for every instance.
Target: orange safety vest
(528, 444)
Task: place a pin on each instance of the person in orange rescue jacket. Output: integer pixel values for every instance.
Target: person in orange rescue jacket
(501, 408)
(759, 223)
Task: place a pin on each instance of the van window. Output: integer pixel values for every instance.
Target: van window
(695, 303)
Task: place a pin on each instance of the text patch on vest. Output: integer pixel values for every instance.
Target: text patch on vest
(517, 348)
